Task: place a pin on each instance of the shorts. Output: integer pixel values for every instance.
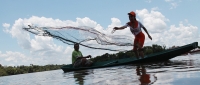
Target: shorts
(139, 39)
(79, 63)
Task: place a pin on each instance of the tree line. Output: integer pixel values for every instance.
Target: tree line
(13, 70)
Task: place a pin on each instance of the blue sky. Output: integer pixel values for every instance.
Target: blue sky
(170, 22)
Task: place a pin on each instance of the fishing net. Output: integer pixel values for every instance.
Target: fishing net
(85, 36)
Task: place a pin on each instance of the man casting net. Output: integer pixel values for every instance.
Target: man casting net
(86, 36)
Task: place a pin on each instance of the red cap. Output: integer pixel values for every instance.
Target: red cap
(132, 13)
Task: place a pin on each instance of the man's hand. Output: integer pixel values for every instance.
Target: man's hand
(89, 56)
(115, 28)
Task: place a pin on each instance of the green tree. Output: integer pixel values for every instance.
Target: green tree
(3, 72)
(10, 70)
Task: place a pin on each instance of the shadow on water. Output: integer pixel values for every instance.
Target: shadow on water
(79, 76)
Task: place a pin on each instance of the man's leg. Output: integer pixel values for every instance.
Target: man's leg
(83, 62)
(88, 63)
(77, 63)
(135, 50)
(140, 50)
(136, 54)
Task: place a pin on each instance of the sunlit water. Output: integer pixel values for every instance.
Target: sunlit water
(182, 70)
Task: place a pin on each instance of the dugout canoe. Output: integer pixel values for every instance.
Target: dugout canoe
(160, 56)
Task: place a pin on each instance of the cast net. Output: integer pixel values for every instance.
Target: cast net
(85, 36)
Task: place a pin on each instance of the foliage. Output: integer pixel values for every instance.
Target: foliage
(4, 70)
(147, 50)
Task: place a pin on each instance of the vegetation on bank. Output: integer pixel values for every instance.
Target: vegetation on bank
(9, 70)
(147, 50)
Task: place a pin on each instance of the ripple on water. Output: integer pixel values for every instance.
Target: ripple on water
(179, 71)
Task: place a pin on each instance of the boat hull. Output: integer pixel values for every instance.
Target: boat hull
(160, 56)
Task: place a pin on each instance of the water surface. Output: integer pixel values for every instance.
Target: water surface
(182, 70)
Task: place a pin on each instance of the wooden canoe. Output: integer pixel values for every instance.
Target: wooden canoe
(160, 56)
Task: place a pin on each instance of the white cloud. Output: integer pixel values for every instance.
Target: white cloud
(44, 50)
(86, 22)
(117, 23)
(173, 3)
(14, 58)
(6, 26)
(153, 20)
(184, 33)
(154, 8)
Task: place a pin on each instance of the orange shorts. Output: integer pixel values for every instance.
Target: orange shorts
(139, 39)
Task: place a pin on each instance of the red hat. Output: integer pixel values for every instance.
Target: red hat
(132, 13)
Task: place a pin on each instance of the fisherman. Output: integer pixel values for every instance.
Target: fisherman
(77, 58)
(135, 27)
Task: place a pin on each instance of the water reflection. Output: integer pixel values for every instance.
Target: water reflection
(79, 76)
(165, 67)
(144, 77)
(173, 66)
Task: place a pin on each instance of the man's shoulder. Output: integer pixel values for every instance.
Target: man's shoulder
(140, 24)
(76, 51)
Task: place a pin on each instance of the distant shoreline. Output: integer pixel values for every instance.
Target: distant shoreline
(14, 70)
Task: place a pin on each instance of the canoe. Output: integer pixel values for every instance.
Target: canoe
(160, 56)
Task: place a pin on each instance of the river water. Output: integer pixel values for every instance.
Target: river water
(181, 70)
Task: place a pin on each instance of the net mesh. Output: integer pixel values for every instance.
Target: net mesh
(85, 36)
